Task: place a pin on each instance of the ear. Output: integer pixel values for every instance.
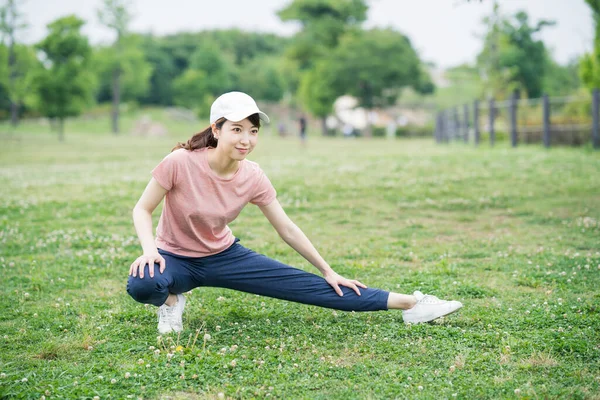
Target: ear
(215, 130)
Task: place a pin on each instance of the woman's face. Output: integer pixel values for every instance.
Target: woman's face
(236, 139)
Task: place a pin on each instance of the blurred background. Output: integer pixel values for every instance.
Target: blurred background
(349, 67)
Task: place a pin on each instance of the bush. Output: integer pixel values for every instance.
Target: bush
(415, 131)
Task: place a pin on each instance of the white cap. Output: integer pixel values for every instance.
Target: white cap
(235, 106)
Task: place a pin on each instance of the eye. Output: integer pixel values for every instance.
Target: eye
(237, 130)
(254, 131)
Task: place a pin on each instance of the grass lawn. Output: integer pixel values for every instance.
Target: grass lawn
(513, 234)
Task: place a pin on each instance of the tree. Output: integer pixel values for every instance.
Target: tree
(511, 57)
(561, 80)
(374, 66)
(65, 85)
(124, 58)
(134, 71)
(589, 69)
(10, 24)
(209, 75)
(19, 90)
(262, 77)
(323, 24)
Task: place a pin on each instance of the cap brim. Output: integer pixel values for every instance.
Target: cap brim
(235, 117)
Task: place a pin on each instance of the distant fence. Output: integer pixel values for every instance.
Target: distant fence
(572, 120)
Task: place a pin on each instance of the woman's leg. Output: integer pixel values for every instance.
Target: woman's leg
(178, 277)
(242, 269)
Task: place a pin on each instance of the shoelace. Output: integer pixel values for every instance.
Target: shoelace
(166, 314)
(430, 299)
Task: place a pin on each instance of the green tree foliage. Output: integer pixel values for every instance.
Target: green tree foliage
(590, 63)
(511, 57)
(16, 75)
(560, 80)
(20, 90)
(123, 62)
(375, 65)
(323, 23)
(66, 84)
(216, 75)
(134, 70)
(229, 55)
(262, 77)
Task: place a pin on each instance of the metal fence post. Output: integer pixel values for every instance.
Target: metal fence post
(466, 123)
(492, 133)
(595, 117)
(513, 119)
(438, 127)
(546, 114)
(447, 127)
(476, 121)
(456, 133)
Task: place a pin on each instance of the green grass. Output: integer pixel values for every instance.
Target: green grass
(513, 234)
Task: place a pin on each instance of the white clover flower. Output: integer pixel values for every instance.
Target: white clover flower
(420, 387)
(24, 380)
(127, 375)
(113, 381)
(517, 391)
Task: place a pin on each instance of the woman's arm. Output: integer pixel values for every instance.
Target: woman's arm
(297, 240)
(142, 220)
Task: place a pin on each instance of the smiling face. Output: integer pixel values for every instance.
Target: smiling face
(237, 139)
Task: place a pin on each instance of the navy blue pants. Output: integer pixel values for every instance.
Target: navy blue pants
(242, 269)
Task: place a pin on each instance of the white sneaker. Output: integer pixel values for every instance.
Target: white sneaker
(428, 308)
(170, 317)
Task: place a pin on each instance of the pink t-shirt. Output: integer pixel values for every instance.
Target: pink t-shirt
(199, 204)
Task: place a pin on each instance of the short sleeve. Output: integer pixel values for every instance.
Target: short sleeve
(165, 172)
(264, 193)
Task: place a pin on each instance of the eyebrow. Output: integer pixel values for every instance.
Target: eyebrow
(240, 125)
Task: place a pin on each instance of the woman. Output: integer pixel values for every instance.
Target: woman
(206, 182)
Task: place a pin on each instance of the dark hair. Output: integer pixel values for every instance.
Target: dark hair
(206, 137)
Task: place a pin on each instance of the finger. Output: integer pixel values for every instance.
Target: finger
(338, 290)
(141, 268)
(355, 288)
(151, 267)
(163, 264)
(358, 283)
(133, 268)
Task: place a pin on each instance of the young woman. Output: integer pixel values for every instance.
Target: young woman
(206, 182)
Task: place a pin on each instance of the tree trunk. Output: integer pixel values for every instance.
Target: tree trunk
(61, 129)
(368, 127)
(14, 114)
(324, 126)
(12, 74)
(116, 100)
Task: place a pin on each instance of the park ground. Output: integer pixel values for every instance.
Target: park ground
(512, 233)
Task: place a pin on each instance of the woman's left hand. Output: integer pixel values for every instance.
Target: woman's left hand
(335, 280)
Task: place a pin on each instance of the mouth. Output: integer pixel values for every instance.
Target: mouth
(242, 150)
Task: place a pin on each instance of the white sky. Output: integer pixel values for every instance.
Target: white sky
(443, 31)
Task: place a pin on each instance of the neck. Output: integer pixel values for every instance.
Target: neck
(221, 164)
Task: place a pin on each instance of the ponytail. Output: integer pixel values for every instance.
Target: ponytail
(201, 139)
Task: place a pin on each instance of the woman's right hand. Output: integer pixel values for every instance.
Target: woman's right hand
(150, 259)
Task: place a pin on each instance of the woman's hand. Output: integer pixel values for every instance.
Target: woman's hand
(335, 280)
(150, 259)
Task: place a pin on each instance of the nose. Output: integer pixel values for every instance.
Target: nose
(245, 138)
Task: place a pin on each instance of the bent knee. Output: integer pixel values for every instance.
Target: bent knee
(147, 290)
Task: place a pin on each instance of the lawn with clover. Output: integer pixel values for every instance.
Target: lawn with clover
(512, 233)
